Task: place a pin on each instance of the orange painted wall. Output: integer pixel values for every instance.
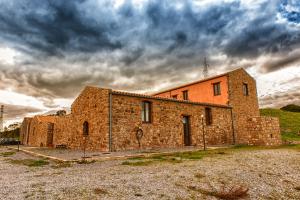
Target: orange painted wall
(202, 92)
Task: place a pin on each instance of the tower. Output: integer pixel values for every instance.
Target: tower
(205, 68)
(1, 118)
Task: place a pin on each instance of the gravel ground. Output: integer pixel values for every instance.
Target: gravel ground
(269, 174)
(70, 155)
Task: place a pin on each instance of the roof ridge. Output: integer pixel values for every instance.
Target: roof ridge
(198, 81)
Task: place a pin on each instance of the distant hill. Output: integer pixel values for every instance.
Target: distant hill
(291, 108)
(289, 122)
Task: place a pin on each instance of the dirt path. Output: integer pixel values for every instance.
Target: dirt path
(268, 174)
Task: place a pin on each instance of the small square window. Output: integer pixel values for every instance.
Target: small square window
(185, 95)
(174, 96)
(217, 89)
(245, 89)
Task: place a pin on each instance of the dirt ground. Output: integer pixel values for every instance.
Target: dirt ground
(258, 173)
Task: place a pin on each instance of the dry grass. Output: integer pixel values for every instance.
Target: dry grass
(231, 193)
(297, 188)
(29, 162)
(83, 161)
(61, 165)
(8, 153)
(138, 163)
(199, 175)
(100, 191)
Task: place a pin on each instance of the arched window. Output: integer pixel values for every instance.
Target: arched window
(85, 128)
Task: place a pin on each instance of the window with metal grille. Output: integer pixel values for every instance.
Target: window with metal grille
(245, 89)
(208, 116)
(217, 89)
(146, 111)
(185, 95)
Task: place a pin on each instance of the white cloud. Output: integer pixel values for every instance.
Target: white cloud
(14, 98)
(8, 55)
(280, 81)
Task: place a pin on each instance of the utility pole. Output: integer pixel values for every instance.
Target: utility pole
(203, 132)
(205, 68)
(1, 118)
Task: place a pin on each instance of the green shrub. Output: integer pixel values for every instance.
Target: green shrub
(291, 108)
(30, 162)
(8, 153)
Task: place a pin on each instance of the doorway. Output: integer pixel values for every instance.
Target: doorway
(50, 134)
(186, 130)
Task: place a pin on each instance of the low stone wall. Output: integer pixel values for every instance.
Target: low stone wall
(262, 131)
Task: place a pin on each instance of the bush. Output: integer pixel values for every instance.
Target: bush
(291, 108)
(29, 162)
(11, 134)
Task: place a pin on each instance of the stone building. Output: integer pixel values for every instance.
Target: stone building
(220, 110)
(37, 131)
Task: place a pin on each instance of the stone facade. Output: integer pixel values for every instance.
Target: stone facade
(90, 106)
(262, 131)
(37, 131)
(244, 107)
(166, 127)
(24, 130)
(106, 120)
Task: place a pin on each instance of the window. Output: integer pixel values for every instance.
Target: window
(208, 116)
(146, 111)
(85, 128)
(217, 89)
(174, 96)
(185, 95)
(245, 89)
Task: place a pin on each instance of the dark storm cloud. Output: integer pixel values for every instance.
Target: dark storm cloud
(280, 99)
(57, 28)
(66, 45)
(13, 111)
(53, 27)
(281, 62)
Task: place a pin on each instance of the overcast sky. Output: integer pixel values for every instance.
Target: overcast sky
(50, 50)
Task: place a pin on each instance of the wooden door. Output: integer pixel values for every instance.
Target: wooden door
(50, 134)
(186, 130)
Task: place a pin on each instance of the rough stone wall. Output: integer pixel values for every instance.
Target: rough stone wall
(91, 106)
(243, 106)
(24, 130)
(262, 131)
(166, 128)
(38, 131)
(63, 130)
(250, 127)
